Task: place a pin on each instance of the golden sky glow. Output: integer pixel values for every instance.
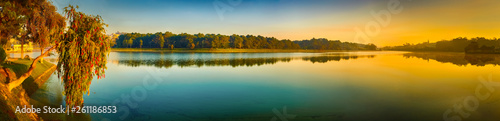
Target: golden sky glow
(419, 21)
(416, 23)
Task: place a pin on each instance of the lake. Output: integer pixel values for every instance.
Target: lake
(293, 87)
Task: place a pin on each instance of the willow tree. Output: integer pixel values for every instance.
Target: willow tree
(82, 54)
(83, 46)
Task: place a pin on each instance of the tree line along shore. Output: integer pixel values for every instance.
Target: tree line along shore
(183, 42)
(479, 45)
(216, 41)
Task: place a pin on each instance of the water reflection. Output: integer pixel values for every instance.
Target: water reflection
(324, 59)
(459, 59)
(233, 62)
(345, 86)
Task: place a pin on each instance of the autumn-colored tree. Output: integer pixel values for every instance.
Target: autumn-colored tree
(30, 20)
(38, 16)
(12, 18)
(83, 53)
(82, 48)
(191, 45)
(45, 25)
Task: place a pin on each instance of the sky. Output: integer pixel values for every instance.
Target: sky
(382, 22)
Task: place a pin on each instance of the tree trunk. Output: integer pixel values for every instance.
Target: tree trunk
(41, 51)
(22, 48)
(23, 77)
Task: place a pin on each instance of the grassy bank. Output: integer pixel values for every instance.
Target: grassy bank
(19, 96)
(207, 50)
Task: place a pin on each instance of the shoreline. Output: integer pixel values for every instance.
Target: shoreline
(20, 96)
(207, 50)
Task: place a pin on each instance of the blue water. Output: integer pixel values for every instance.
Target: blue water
(283, 86)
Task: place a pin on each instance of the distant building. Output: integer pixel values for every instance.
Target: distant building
(115, 36)
(16, 46)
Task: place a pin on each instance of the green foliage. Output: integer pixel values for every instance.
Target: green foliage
(324, 44)
(141, 43)
(82, 54)
(236, 41)
(159, 40)
(200, 40)
(129, 42)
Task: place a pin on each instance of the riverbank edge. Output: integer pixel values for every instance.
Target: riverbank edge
(206, 50)
(20, 95)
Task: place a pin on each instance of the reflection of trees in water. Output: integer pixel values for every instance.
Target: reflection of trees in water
(167, 63)
(324, 59)
(233, 62)
(459, 59)
(482, 60)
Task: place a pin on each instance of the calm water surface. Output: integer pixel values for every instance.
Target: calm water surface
(292, 86)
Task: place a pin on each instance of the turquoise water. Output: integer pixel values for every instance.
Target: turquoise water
(306, 86)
